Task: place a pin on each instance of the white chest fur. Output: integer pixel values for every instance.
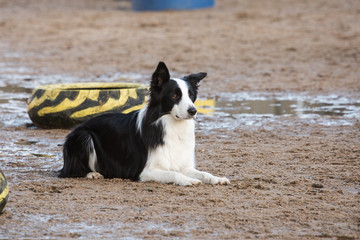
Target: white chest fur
(177, 152)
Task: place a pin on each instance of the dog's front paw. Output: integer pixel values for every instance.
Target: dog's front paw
(189, 182)
(218, 180)
(195, 182)
(94, 175)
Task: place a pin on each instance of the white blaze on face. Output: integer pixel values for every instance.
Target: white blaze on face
(180, 110)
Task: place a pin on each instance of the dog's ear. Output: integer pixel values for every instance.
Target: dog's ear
(160, 76)
(195, 78)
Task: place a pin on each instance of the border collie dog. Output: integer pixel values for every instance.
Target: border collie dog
(156, 143)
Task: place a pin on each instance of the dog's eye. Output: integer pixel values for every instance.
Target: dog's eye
(175, 96)
(190, 94)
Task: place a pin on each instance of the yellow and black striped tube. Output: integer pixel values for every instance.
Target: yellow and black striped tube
(4, 191)
(65, 105)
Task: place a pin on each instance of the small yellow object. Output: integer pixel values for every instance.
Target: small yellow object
(205, 106)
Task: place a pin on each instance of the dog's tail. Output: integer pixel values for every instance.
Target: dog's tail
(78, 149)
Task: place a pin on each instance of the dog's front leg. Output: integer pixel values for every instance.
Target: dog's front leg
(205, 177)
(164, 176)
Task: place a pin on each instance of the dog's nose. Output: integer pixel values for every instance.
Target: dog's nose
(192, 111)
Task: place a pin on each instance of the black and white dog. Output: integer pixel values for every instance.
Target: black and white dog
(156, 143)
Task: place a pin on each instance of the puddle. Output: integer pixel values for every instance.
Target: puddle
(255, 109)
(289, 107)
(13, 105)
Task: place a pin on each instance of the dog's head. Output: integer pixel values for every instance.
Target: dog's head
(175, 96)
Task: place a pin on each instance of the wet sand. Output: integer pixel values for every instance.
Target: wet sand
(291, 177)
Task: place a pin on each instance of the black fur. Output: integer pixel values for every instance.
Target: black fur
(193, 80)
(120, 150)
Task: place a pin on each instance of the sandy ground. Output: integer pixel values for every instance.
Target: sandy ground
(291, 178)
